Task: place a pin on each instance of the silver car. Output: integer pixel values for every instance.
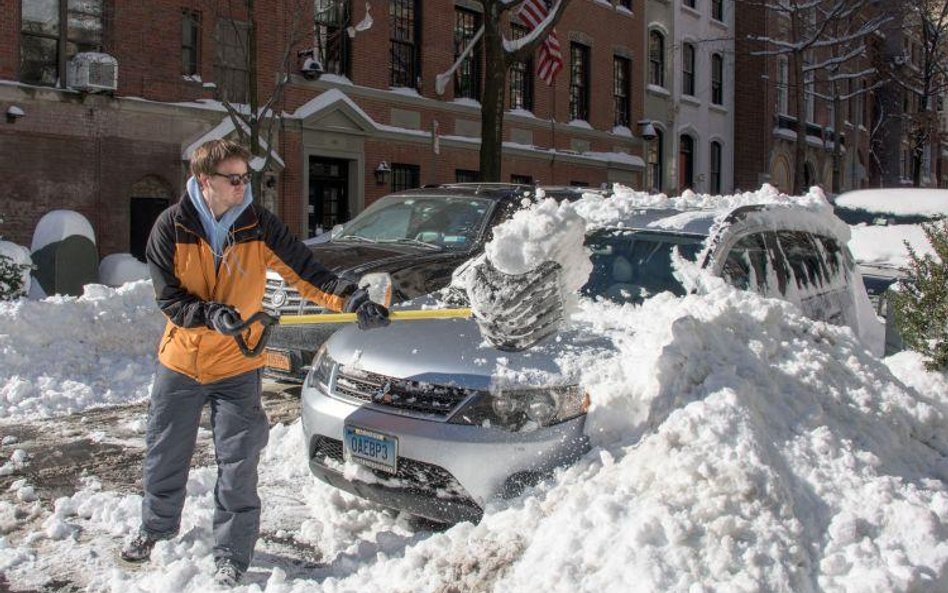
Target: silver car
(425, 417)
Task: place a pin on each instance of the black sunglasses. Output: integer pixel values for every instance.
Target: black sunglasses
(234, 178)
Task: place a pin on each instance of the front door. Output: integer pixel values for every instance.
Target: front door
(328, 194)
(143, 213)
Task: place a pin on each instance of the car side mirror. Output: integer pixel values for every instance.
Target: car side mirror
(335, 231)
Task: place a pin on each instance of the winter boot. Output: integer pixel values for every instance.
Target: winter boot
(139, 549)
(228, 574)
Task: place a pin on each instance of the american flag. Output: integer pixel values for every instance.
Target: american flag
(532, 13)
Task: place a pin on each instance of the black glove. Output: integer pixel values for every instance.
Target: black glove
(369, 314)
(221, 317)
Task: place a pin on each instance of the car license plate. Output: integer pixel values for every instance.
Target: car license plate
(277, 359)
(371, 449)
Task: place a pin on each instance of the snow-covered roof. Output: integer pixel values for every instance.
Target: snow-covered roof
(225, 128)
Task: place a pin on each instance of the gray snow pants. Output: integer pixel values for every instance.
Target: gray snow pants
(240, 430)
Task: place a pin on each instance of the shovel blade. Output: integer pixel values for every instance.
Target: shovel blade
(515, 311)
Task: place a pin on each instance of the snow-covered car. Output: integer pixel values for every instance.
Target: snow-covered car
(418, 237)
(882, 221)
(427, 418)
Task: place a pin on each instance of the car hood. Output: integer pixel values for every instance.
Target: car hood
(452, 352)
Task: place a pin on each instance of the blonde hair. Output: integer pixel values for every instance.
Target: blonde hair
(206, 157)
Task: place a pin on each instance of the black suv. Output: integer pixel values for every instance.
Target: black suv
(417, 236)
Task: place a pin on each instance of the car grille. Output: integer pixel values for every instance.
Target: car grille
(294, 303)
(401, 395)
(412, 475)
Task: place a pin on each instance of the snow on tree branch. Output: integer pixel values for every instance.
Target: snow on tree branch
(441, 80)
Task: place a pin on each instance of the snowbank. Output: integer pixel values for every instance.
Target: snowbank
(121, 268)
(66, 354)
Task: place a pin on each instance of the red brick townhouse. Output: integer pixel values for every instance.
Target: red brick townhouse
(109, 136)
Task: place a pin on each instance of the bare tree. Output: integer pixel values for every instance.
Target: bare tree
(823, 38)
(257, 113)
(921, 71)
(500, 52)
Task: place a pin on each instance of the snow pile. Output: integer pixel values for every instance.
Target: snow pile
(66, 354)
(121, 268)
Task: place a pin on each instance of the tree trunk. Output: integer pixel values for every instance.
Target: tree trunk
(492, 100)
(837, 143)
(799, 152)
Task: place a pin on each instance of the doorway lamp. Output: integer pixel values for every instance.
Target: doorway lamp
(382, 172)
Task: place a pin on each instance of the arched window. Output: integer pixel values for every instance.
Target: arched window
(686, 162)
(688, 69)
(656, 58)
(717, 79)
(656, 164)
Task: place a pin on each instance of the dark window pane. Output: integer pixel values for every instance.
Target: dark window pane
(230, 66)
(38, 60)
(715, 168)
(656, 164)
(686, 162)
(579, 82)
(404, 42)
(656, 58)
(746, 264)
(190, 40)
(688, 69)
(332, 41)
(521, 77)
(40, 16)
(717, 9)
(405, 176)
(521, 179)
(467, 78)
(621, 79)
(85, 22)
(466, 176)
(717, 79)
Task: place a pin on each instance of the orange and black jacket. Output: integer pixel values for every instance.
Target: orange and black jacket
(186, 279)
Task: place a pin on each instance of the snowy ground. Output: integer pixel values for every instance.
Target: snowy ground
(738, 447)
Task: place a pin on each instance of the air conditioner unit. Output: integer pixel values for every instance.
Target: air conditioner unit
(92, 72)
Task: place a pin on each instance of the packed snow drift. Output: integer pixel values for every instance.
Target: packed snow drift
(738, 446)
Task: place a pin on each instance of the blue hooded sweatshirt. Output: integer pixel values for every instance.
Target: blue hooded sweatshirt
(217, 231)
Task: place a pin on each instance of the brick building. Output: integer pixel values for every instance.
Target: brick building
(364, 128)
(767, 120)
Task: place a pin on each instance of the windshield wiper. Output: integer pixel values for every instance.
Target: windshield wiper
(356, 238)
(418, 242)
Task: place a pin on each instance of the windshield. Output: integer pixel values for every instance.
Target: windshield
(630, 266)
(436, 222)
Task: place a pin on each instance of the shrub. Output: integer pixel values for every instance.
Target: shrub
(921, 303)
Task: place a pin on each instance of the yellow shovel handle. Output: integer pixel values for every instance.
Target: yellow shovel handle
(394, 315)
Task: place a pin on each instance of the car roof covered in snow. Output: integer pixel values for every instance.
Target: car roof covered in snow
(892, 205)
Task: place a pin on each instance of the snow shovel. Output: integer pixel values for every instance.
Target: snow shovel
(269, 320)
(515, 311)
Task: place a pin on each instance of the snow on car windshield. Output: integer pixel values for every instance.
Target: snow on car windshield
(441, 222)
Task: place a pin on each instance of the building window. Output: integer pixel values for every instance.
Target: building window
(690, 3)
(627, 4)
(190, 42)
(332, 42)
(715, 169)
(230, 61)
(686, 162)
(578, 81)
(809, 96)
(783, 84)
(521, 179)
(405, 176)
(52, 32)
(656, 58)
(621, 91)
(466, 176)
(656, 165)
(521, 77)
(579, 183)
(717, 10)
(404, 42)
(717, 79)
(467, 78)
(688, 69)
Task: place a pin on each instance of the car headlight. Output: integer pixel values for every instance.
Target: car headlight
(523, 409)
(321, 371)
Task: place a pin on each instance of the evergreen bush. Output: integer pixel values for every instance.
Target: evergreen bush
(12, 285)
(921, 302)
